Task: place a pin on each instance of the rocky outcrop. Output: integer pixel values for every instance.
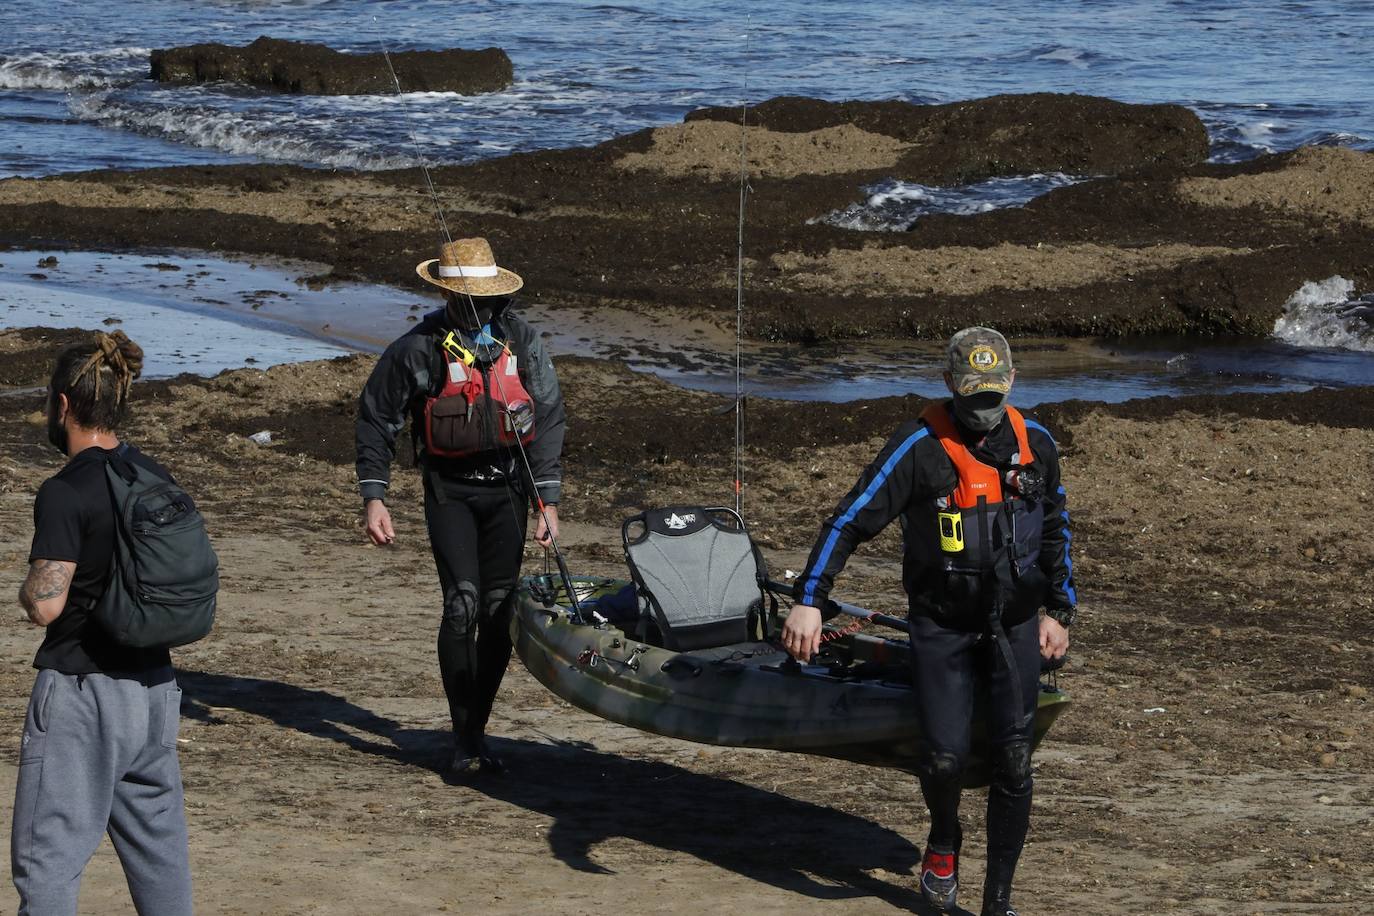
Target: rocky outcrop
(1001, 135)
(314, 69)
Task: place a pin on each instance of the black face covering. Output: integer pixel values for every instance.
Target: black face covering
(461, 311)
(980, 412)
(57, 432)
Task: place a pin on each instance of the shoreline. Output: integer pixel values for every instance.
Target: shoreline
(642, 222)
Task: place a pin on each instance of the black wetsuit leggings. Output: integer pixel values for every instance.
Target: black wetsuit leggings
(951, 667)
(477, 533)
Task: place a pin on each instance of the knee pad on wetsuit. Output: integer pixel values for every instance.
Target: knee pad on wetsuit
(460, 606)
(941, 765)
(1011, 767)
(497, 601)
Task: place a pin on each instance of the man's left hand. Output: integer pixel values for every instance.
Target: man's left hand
(1054, 638)
(546, 531)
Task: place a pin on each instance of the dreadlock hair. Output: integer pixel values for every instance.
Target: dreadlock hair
(97, 377)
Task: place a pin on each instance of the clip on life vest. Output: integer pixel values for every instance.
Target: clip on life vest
(975, 478)
(454, 347)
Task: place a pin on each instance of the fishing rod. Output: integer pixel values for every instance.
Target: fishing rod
(852, 610)
(739, 280)
(477, 321)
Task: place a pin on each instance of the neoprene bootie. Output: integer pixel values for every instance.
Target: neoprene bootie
(997, 902)
(940, 878)
(473, 754)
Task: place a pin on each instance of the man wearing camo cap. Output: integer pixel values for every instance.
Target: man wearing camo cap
(969, 465)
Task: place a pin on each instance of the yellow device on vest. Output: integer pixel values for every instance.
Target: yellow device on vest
(951, 532)
(456, 349)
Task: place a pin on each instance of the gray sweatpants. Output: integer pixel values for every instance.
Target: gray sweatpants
(99, 754)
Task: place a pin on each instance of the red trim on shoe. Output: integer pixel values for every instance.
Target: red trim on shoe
(941, 865)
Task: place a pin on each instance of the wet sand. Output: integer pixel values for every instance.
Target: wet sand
(1212, 588)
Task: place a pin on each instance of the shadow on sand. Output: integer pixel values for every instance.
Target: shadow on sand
(591, 797)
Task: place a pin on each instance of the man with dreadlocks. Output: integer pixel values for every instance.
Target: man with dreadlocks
(99, 746)
(487, 424)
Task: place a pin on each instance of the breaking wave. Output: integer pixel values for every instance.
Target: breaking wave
(892, 205)
(1327, 313)
(1242, 132)
(269, 136)
(1074, 57)
(74, 71)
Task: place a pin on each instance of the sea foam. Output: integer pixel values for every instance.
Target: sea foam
(266, 135)
(893, 205)
(1326, 313)
(74, 71)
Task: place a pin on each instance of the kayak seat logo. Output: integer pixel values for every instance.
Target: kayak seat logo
(678, 522)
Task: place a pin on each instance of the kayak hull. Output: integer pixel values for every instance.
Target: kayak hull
(744, 695)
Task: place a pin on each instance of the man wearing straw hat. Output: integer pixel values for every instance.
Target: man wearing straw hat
(487, 424)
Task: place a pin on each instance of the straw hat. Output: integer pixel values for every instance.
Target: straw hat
(468, 266)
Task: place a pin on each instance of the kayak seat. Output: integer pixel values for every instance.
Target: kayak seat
(700, 575)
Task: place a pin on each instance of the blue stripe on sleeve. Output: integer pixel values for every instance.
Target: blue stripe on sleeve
(1031, 424)
(1068, 563)
(809, 592)
(1068, 535)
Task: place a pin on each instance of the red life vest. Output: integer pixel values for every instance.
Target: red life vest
(975, 478)
(480, 408)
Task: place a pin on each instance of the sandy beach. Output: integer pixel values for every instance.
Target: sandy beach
(1216, 758)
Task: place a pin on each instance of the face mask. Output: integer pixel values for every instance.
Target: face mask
(460, 311)
(57, 432)
(980, 412)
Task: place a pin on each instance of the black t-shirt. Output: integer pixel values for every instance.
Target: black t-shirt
(73, 520)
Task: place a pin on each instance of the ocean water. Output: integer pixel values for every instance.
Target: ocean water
(74, 92)
(75, 95)
(192, 312)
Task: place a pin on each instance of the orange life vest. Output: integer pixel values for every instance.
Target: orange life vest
(975, 478)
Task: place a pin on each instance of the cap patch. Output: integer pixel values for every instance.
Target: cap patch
(984, 359)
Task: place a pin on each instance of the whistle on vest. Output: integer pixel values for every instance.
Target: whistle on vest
(951, 531)
(454, 348)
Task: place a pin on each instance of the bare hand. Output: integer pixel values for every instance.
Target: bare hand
(1054, 638)
(801, 634)
(546, 531)
(378, 519)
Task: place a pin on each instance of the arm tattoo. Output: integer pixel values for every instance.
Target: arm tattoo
(47, 579)
(50, 580)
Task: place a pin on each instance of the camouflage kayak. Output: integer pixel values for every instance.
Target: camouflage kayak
(854, 703)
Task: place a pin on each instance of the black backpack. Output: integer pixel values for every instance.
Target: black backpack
(164, 576)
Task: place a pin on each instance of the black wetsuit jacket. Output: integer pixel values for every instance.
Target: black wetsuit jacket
(907, 476)
(411, 370)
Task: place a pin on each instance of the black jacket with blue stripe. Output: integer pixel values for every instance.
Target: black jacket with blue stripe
(904, 480)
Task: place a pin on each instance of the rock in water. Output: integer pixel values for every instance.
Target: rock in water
(315, 69)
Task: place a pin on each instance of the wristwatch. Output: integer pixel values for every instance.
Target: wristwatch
(1064, 616)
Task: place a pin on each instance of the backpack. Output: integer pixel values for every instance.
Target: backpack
(164, 577)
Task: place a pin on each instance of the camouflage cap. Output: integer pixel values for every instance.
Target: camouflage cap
(979, 360)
